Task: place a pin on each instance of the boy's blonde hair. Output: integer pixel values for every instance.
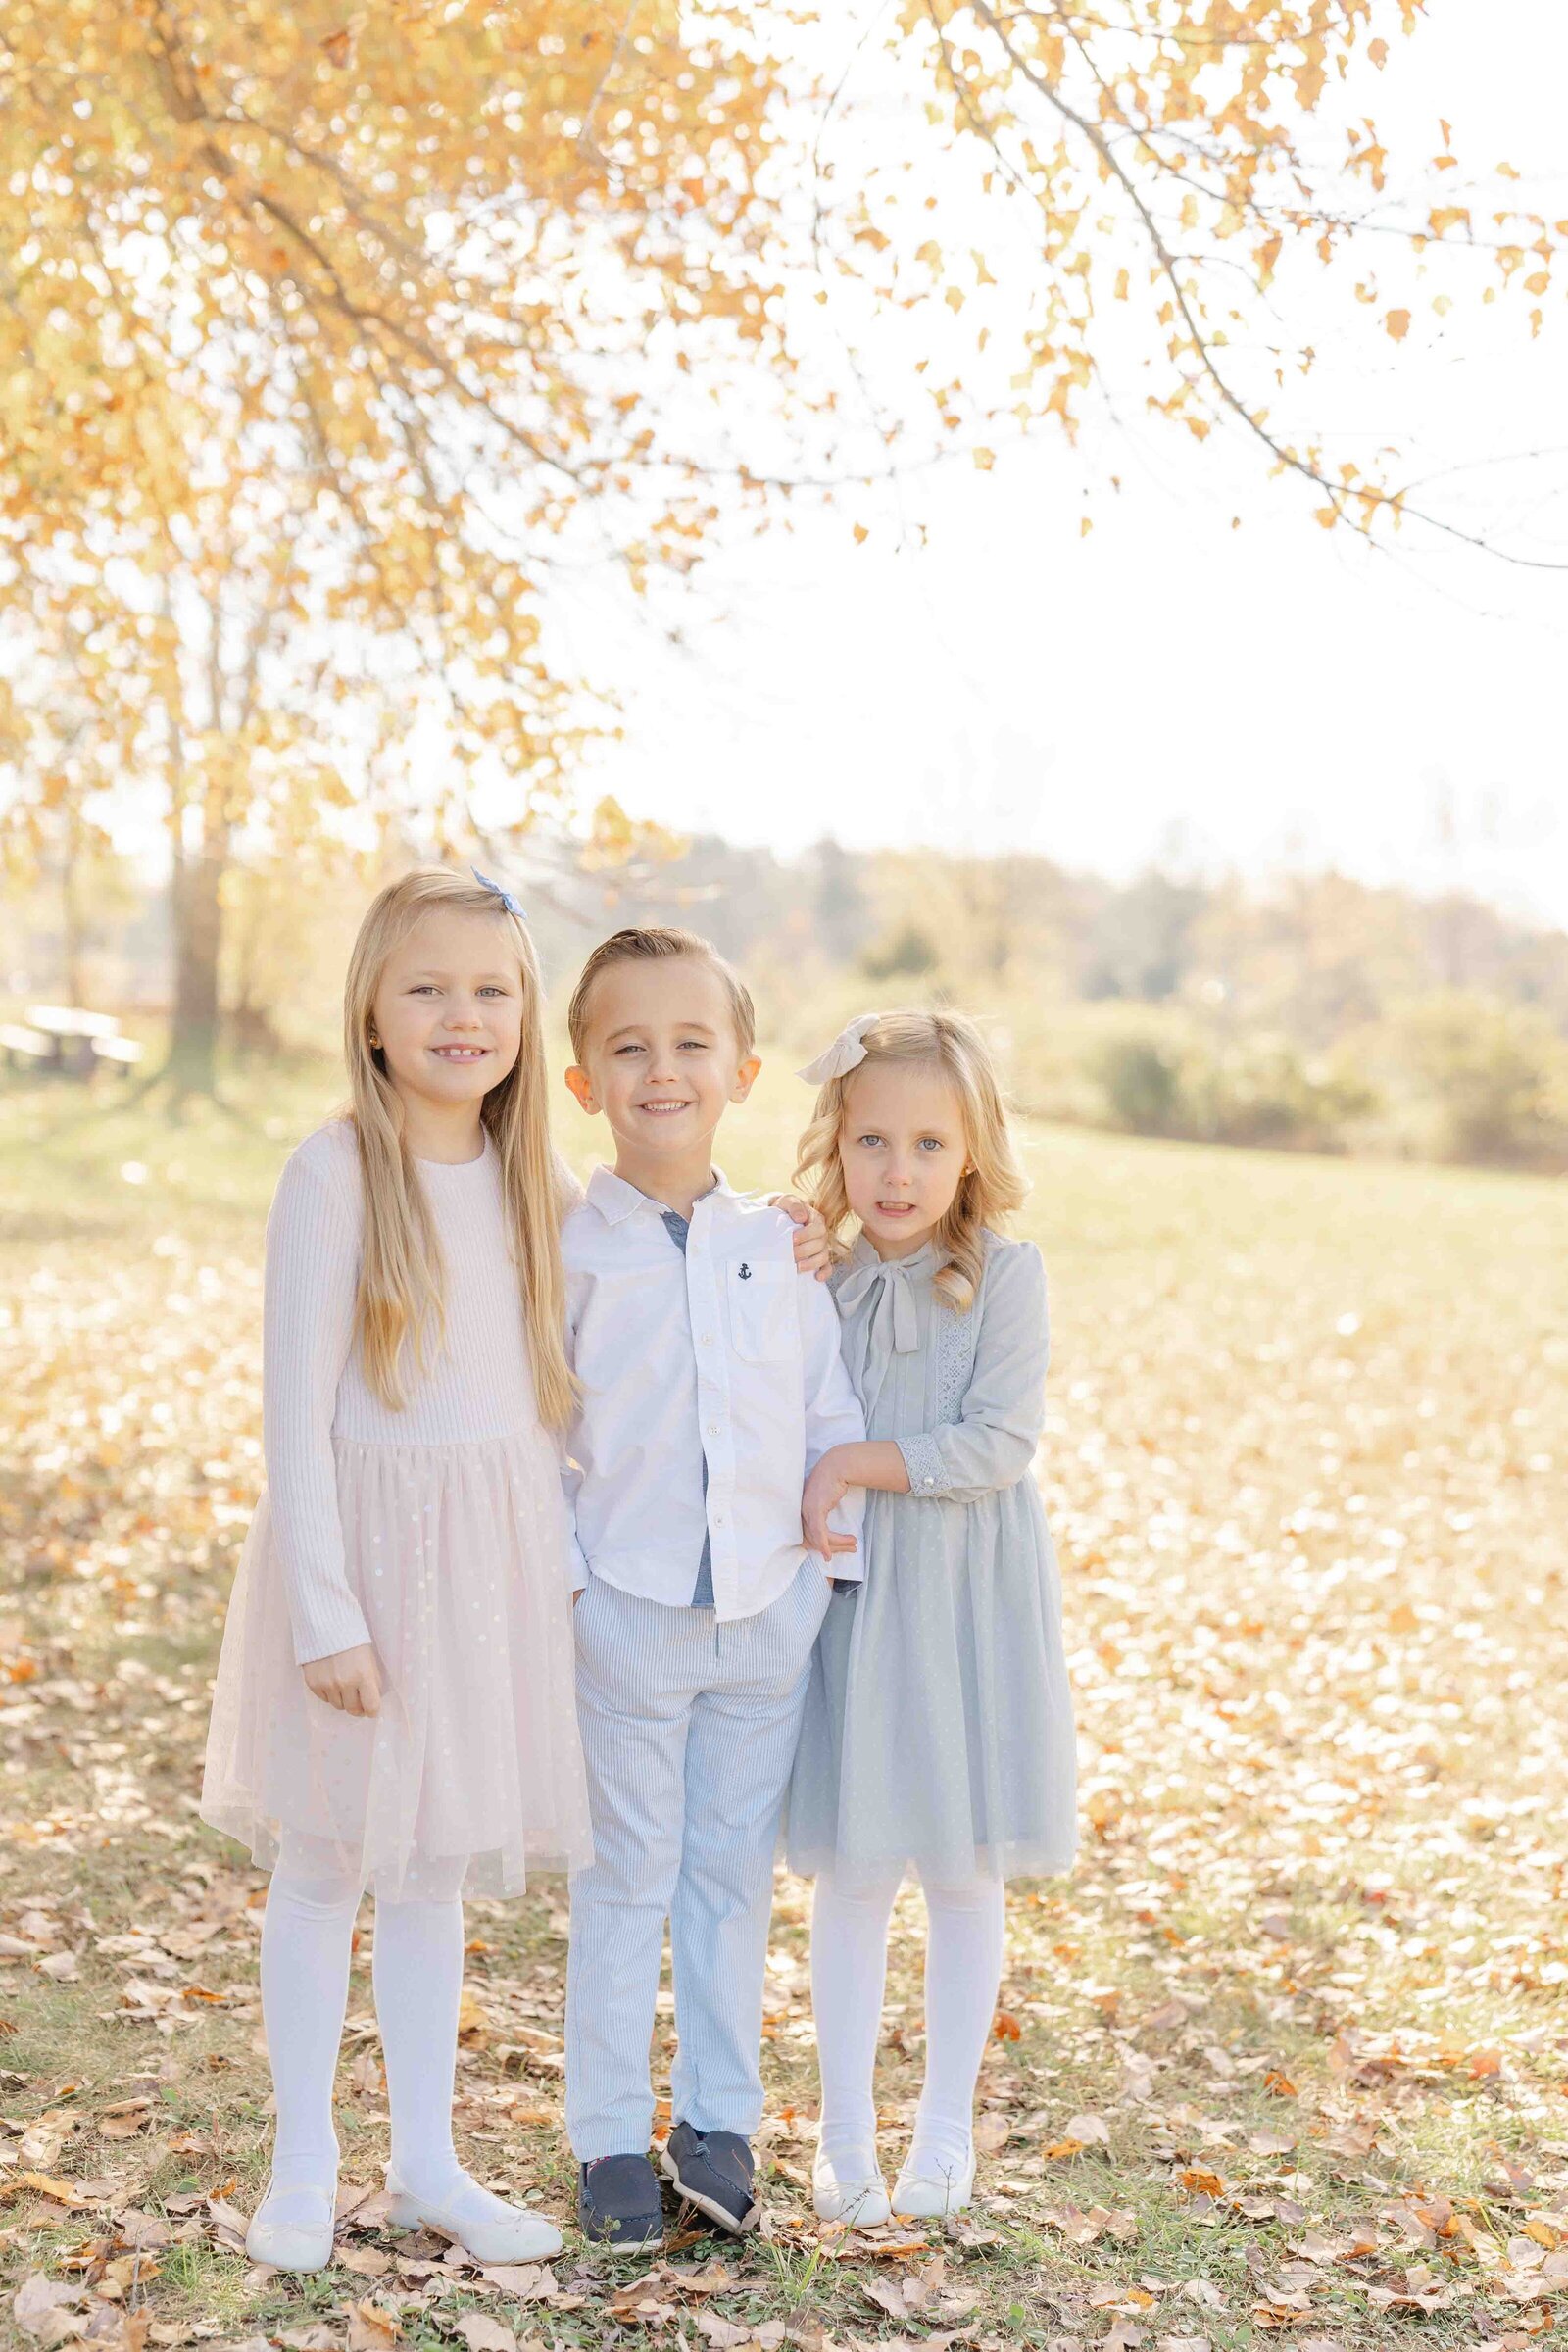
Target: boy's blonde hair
(995, 1184)
(656, 942)
(400, 1299)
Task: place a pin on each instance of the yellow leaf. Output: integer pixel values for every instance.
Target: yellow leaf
(1398, 323)
(63, 2193)
(1085, 525)
(862, 534)
(985, 459)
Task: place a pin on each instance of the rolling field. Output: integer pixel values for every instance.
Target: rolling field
(1286, 2060)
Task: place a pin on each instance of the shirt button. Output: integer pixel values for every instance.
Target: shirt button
(707, 1339)
(718, 1518)
(712, 1431)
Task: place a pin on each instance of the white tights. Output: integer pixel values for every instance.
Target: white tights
(849, 1971)
(418, 1973)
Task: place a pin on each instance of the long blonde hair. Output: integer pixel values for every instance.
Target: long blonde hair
(993, 1186)
(400, 1302)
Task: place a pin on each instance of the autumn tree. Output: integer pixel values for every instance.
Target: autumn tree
(54, 844)
(1139, 196)
(329, 342)
(320, 339)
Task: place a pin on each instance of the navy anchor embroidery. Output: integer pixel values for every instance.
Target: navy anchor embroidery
(746, 1272)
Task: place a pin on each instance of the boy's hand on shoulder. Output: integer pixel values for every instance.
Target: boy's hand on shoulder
(813, 1255)
(349, 1680)
(825, 1489)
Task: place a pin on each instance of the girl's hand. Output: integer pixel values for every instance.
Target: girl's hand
(812, 1252)
(349, 1679)
(825, 1489)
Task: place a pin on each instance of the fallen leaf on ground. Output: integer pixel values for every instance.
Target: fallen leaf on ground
(125, 2272)
(1082, 2229)
(41, 2142)
(228, 2226)
(482, 2334)
(72, 2193)
(45, 2309)
(368, 2262)
(126, 2120)
(143, 2229)
(372, 2327)
(528, 2281)
(723, 2334)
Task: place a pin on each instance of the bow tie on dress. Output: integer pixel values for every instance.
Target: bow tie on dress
(886, 1282)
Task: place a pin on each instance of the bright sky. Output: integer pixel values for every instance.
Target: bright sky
(1170, 686)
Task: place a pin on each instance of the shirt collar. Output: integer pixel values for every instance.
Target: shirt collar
(861, 1253)
(615, 1199)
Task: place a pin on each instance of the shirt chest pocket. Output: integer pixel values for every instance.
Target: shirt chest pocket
(763, 1327)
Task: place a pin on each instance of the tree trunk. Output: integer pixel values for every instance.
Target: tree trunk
(198, 931)
(72, 928)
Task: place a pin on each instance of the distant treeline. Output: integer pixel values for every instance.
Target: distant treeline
(1313, 1013)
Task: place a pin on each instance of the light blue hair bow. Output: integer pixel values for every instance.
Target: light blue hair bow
(505, 896)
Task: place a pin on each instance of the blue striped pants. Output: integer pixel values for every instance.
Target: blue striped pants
(688, 1731)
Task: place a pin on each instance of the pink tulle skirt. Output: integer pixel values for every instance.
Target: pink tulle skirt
(472, 1772)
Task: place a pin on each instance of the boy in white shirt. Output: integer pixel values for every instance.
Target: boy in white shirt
(711, 1382)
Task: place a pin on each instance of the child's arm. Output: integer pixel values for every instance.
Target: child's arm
(576, 1557)
(572, 1479)
(307, 1332)
(992, 1442)
(834, 1421)
(873, 1462)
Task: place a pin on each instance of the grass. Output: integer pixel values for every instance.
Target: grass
(1304, 1464)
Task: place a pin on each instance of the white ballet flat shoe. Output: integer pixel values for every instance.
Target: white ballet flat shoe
(860, 2198)
(292, 2229)
(515, 2236)
(931, 2193)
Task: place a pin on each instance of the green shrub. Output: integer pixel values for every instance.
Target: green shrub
(1486, 1079)
(1142, 1081)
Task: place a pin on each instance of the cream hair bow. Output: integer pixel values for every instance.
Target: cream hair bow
(845, 1052)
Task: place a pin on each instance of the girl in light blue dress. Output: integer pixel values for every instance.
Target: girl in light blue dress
(938, 1734)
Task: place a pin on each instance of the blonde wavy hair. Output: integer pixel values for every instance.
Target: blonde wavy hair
(400, 1295)
(993, 1186)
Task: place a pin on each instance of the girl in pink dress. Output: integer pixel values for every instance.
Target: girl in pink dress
(395, 1698)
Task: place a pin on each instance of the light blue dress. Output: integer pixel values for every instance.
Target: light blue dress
(938, 1731)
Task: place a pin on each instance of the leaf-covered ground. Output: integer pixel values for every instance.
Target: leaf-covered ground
(1287, 2059)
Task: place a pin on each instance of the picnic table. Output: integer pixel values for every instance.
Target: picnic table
(66, 1041)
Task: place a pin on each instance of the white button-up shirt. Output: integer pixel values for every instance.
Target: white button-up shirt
(723, 1355)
